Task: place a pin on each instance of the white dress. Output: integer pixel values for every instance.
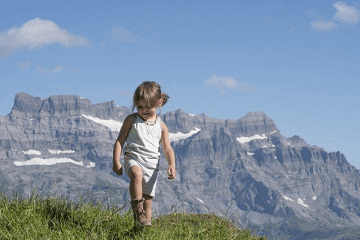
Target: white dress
(143, 149)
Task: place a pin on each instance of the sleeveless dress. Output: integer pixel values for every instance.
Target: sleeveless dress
(143, 149)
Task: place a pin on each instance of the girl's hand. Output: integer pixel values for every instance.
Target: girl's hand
(118, 170)
(171, 172)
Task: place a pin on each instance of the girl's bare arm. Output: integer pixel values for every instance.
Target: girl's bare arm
(119, 143)
(168, 151)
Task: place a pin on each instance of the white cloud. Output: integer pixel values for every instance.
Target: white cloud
(37, 33)
(124, 93)
(24, 65)
(323, 26)
(247, 88)
(122, 35)
(228, 83)
(59, 68)
(222, 82)
(346, 14)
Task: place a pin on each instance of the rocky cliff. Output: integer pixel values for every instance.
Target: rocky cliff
(243, 169)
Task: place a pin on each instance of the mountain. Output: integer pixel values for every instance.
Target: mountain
(242, 169)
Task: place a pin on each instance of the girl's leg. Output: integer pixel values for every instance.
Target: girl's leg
(135, 175)
(137, 201)
(147, 206)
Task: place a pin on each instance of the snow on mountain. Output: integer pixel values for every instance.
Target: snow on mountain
(51, 161)
(301, 202)
(199, 200)
(288, 199)
(60, 151)
(243, 140)
(174, 137)
(115, 126)
(32, 152)
(112, 124)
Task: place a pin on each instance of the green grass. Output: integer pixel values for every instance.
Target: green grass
(55, 218)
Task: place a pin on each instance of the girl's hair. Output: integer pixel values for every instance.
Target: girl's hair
(151, 93)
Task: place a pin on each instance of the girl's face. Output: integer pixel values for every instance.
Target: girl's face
(145, 111)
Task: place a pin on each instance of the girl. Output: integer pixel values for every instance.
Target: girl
(143, 132)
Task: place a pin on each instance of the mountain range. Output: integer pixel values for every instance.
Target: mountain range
(244, 170)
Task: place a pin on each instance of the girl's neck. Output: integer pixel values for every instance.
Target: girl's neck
(150, 120)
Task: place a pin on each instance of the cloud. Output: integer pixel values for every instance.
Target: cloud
(224, 83)
(323, 26)
(24, 65)
(346, 14)
(37, 33)
(247, 88)
(122, 35)
(127, 94)
(59, 68)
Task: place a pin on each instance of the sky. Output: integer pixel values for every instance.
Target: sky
(296, 61)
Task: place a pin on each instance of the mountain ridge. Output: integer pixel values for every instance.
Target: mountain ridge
(279, 186)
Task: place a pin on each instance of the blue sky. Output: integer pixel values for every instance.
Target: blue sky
(296, 61)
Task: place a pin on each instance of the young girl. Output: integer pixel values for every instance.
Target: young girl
(143, 132)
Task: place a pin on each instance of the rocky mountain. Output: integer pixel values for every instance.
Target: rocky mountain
(243, 169)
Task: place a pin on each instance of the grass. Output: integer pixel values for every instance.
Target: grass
(55, 218)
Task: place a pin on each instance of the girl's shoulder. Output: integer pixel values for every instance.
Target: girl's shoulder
(130, 119)
(163, 126)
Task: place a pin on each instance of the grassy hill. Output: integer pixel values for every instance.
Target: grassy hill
(55, 218)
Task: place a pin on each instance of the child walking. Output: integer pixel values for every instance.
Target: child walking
(143, 132)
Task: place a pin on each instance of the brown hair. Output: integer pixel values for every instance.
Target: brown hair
(151, 93)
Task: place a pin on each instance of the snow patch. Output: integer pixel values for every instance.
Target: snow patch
(314, 198)
(199, 200)
(287, 198)
(60, 151)
(112, 124)
(179, 136)
(32, 152)
(249, 139)
(192, 115)
(273, 132)
(51, 161)
(301, 202)
(249, 153)
(91, 165)
(268, 146)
